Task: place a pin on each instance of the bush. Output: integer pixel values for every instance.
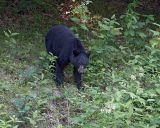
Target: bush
(122, 80)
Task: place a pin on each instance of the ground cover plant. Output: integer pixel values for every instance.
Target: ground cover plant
(122, 80)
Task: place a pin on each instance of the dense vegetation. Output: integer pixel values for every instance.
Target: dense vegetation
(122, 81)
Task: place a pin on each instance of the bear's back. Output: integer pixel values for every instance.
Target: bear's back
(61, 32)
(59, 39)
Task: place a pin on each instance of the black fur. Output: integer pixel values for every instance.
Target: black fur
(61, 42)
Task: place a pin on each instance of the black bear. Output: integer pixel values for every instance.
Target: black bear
(61, 42)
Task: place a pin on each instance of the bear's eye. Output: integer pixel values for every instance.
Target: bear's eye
(76, 52)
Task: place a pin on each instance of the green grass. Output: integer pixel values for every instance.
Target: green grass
(27, 86)
(121, 89)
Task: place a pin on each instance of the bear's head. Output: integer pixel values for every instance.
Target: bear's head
(79, 59)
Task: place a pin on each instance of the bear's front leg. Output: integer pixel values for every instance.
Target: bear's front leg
(59, 75)
(77, 78)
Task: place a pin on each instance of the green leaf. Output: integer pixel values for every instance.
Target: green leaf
(113, 16)
(83, 26)
(15, 126)
(31, 121)
(155, 33)
(14, 34)
(141, 34)
(157, 24)
(76, 20)
(6, 34)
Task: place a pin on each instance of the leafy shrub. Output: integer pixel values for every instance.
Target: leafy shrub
(2, 5)
(136, 26)
(125, 82)
(109, 29)
(122, 81)
(130, 99)
(11, 41)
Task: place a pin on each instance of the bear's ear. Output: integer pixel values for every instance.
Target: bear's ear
(76, 52)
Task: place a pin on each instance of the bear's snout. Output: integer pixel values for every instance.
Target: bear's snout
(81, 69)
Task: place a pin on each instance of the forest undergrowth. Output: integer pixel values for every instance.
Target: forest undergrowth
(122, 80)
